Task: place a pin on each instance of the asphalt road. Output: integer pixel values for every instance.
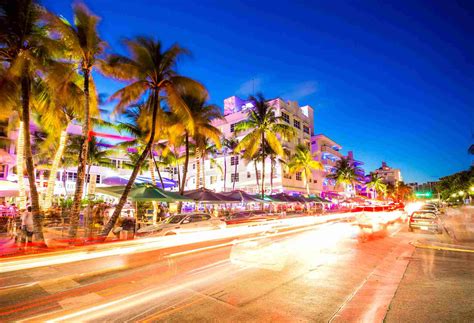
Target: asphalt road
(321, 273)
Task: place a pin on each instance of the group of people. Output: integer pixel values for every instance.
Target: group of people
(19, 224)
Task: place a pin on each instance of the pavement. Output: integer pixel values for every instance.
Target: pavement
(321, 273)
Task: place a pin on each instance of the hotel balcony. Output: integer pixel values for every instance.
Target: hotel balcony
(330, 150)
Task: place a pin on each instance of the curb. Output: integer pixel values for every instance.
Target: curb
(416, 244)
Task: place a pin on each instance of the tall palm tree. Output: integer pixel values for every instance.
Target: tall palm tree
(85, 46)
(345, 173)
(149, 71)
(202, 114)
(60, 100)
(305, 162)
(25, 50)
(264, 128)
(376, 184)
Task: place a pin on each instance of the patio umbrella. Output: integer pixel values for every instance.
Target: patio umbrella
(143, 192)
(208, 196)
(242, 196)
(9, 189)
(268, 198)
(287, 198)
(315, 198)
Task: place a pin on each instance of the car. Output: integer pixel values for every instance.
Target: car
(425, 221)
(182, 223)
(249, 216)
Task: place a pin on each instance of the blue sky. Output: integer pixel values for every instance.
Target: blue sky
(390, 81)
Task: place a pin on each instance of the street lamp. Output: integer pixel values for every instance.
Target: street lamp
(453, 195)
(461, 193)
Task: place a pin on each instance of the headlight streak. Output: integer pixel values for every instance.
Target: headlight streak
(149, 244)
(221, 270)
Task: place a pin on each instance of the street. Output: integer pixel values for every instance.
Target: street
(324, 272)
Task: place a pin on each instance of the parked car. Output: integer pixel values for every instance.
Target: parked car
(425, 221)
(249, 216)
(428, 207)
(182, 223)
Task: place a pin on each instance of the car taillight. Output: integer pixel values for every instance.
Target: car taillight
(411, 219)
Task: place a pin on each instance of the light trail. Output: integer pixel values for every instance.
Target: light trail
(150, 244)
(313, 239)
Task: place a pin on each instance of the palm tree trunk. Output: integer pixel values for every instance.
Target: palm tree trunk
(256, 172)
(235, 172)
(81, 167)
(123, 199)
(54, 169)
(151, 166)
(203, 172)
(271, 174)
(30, 168)
(186, 162)
(20, 161)
(225, 171)
(263, 166)
(88, 177)
(64, 178)
(158, 172)
(197, 161)
(179, 175)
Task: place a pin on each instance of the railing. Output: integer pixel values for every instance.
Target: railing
(330, 150)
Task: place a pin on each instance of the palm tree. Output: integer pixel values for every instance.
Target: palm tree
(376, 183)
(84, 45)
(58, 103)
(173, 159)
(229, 146)
(202, 114)
(403, 190)
(149, 70)
(25, 50)
(345, 173)
(305, 162)
(264, 129)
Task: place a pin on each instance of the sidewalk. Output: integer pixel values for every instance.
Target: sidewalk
(56, 239)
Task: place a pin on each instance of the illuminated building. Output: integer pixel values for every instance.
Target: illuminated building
(388, 174)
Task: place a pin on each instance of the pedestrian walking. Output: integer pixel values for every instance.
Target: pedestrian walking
(27, 225)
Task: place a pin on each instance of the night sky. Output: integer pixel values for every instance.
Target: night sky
(390, 81)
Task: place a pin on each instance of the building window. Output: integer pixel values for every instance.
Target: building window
(194, 166)
(3, 171)
(213, 179)
(298, 176)
(234, 160)
(315, 181)
(71, 176)
(249, 175)
(297, 124)
(287, 175)
(232, 127)
(285, 117)
(305, 129)
(234, 178)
